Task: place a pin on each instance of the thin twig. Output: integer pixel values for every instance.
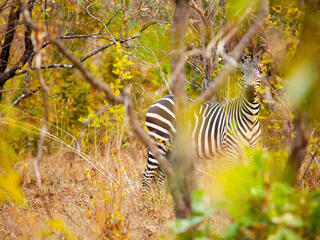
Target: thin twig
(27, 80)
(44, 90)
(3, 5)
(153, 65)
(28, 49)
(313, 155)
(87, 122)
(115, 99)
(88, 75)
(199, 11)
(98, 19)
(143, 136)
(87, 158)
(114, 15)
(24, 95)
(162, 74)
(235, 54)
(70, 66)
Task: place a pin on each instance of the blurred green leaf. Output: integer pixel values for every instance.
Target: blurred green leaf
(288, 219)
(231, 232)
(300, 81)
(238, 8)
(284, 234)
(182, 225)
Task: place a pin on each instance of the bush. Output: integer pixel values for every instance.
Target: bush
(261, 204)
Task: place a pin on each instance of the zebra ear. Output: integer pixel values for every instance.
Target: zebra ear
(261, 50)
(243, 58)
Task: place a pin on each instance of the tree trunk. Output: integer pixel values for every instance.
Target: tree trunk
(182, 156)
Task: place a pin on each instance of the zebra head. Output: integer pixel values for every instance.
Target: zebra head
(252, 73)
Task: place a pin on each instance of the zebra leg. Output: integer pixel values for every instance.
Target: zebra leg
(150, 173)
(160, 196)
(161, 176)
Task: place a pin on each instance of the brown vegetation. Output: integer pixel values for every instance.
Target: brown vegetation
(76, 78)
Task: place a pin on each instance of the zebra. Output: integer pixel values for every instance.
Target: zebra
(219, 127)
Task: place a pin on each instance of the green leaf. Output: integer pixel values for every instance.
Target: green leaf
(237, 8)
(314, 200)
(284, 234)
(288, 219)
(301, 81)
(200, 204)
(127, 3)
(231, 232)
(182, 225)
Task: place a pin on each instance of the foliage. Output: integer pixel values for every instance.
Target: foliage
(265, 206)
(261, 204)
(106, 211)
(10, 190)
(189, 228)
(56, 228)
(255, 195)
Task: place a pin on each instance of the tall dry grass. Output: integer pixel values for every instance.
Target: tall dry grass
(97, 195)
(86, 203)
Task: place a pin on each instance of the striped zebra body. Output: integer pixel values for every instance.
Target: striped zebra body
(209, 130)
(160, 121)
(242, 126)
(218, 127)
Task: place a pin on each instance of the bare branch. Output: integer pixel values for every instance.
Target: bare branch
(235, 54)
(54, 65)
(27, 80)
(68, 36)
(69, 66)
(87, 75)
(44, 90)
(115, 99)
(3, 5)
(11, 89)
(143, 136)
(8, 38)
(6, 75)
(105, 47)
(313, 155)
(96, 35)
(93, 35)
(114, 15)
(87, 122)
(23, 96)
(97, 19)
(199, 11)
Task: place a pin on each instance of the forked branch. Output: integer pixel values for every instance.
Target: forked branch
(114, 99)
(235, 54)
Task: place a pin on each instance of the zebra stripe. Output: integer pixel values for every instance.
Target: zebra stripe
(218, 127)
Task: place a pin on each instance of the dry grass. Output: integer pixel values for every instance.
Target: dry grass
(90, 205)
(77, 199)
(311, 179)
(88, 200)
(93, 206)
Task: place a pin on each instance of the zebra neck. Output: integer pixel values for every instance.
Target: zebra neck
(249, 104)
